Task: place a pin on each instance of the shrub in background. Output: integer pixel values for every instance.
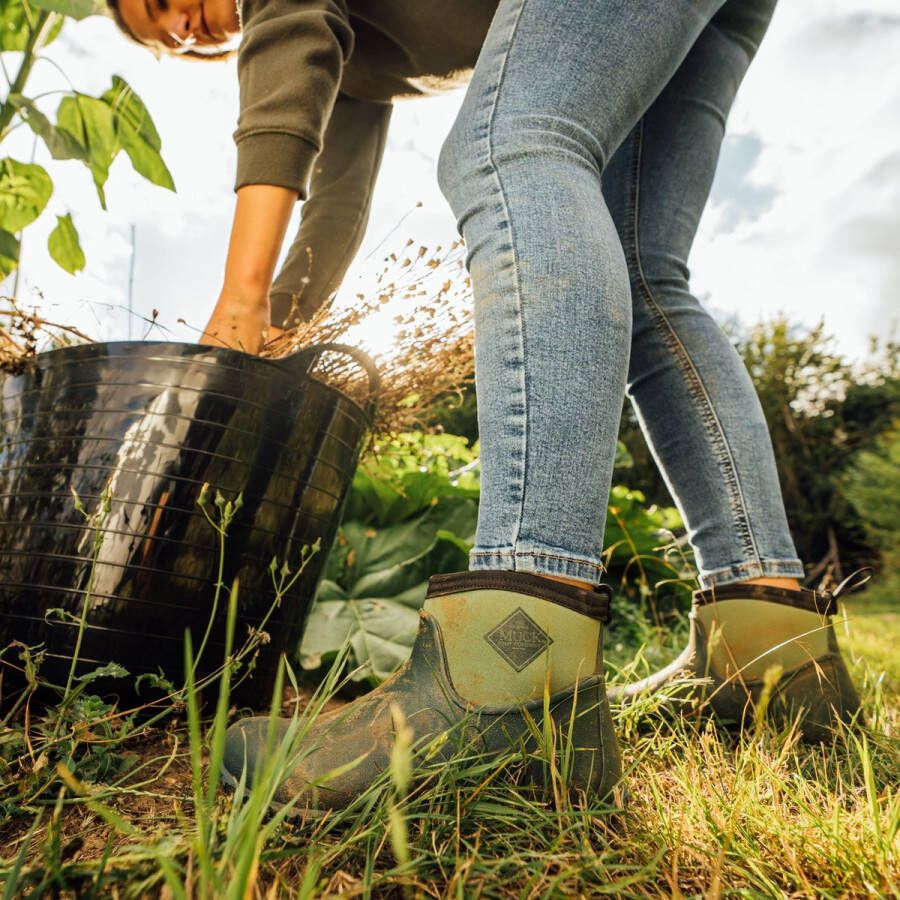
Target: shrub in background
(872, 485)
(822, 410)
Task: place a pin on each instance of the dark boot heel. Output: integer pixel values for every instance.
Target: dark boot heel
(818, 696)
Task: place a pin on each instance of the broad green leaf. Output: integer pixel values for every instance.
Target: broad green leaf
(15, 20)
(376, 584)
(381, 633)
(9, 253)
(461, 544)
(431, 552)
(130, 108)
(147, 161)
(74, 9)
(90, 122)
(380, 548)
(401, 582)
(137, 134)
(330, 590)
(372, 498)
(25, 189)
(373, 549)
(13, 25)
(60, 143)
(410, 516)
(64, 245)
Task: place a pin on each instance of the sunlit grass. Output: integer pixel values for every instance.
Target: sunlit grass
(97, 802)
(709, 814)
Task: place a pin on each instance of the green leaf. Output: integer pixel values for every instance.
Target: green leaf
(60, 143)
(400, 556)
(15, 22)
(376, 584)
(131, 110)
(410, 472)
(64, 245)
(90, 122)
(13, 25)
(24, 191)
(624, 459)
(110, 670)
(9, 253)
(137, 134)
(381, 633)
(74, 9)
(330, 590)
(147, 161)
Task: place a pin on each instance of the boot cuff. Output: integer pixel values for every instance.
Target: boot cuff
(593, 603)
(825, 604)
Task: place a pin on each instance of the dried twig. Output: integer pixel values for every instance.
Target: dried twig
(431, 354)
(23, 334)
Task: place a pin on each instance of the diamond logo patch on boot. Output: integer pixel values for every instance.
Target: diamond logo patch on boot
(519, 639)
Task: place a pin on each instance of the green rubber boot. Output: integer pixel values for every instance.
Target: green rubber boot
(759, 649)
(488, 645)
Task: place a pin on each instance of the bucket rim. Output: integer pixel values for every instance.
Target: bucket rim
(237, 360)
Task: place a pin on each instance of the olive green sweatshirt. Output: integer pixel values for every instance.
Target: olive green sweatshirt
(317, 83)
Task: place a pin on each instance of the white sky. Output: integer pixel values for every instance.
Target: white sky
(804, 216)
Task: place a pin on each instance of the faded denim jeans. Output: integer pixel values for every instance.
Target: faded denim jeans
(577, 169)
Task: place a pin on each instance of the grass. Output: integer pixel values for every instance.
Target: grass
(100, 802)
(710, 814)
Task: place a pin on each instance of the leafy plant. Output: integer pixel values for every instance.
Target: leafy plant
(412, 514)
(643, 558)
(407, 473)
(92, 130)
(872, 484)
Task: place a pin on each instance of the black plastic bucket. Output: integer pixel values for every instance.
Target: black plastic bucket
(153, 423)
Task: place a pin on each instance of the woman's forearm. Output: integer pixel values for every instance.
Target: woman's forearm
(260, 221)
(241, 316)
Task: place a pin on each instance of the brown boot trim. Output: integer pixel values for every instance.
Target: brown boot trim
(824, 604)
(594, 604)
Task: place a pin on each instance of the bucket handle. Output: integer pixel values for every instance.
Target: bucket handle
(309, 356)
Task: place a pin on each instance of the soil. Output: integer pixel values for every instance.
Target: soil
(157, 797)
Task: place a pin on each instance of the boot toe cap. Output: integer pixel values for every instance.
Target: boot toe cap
(245, 742)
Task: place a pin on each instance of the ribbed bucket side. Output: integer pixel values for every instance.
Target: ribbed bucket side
(153, 423)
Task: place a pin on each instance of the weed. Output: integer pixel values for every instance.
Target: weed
(710, 812)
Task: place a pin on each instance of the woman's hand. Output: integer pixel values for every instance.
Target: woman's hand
(238, 321)
(241, 316)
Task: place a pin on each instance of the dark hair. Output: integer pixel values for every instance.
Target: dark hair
(113, 6)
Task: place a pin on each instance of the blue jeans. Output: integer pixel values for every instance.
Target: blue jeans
(577, 169)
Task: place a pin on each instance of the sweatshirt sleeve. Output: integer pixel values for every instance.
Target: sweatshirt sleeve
(289, 68)
(334, 218)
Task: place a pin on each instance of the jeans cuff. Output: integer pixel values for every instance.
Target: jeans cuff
(538, 561)
(743, 571)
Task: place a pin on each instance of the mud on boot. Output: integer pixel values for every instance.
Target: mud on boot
(488, 647)
(759, 650)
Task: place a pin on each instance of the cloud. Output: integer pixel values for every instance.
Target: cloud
(736, 195)
(815, 131)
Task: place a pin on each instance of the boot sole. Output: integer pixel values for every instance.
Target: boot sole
(619, 795)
